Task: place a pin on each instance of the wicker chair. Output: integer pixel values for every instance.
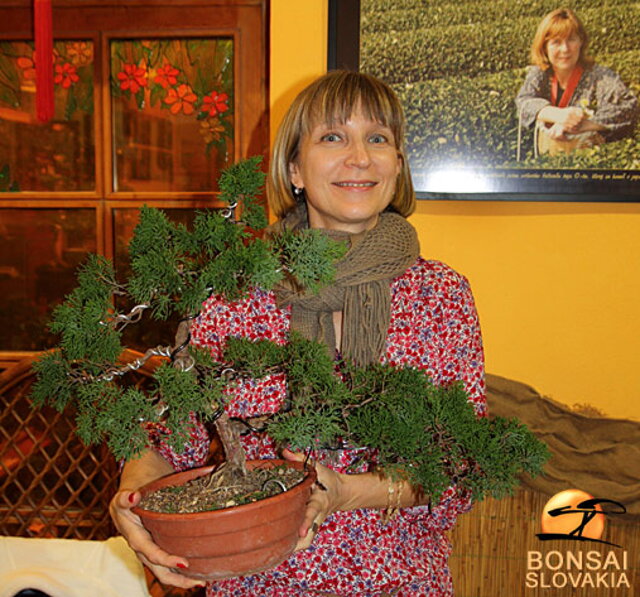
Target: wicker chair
(51, 484)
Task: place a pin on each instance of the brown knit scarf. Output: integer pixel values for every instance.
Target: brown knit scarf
(361, 289)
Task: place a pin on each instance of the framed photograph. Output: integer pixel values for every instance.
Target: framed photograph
(473, 97)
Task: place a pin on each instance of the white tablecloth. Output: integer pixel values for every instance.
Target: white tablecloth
(70, 568)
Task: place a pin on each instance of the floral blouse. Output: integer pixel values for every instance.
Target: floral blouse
(434, 326)
(601, 89)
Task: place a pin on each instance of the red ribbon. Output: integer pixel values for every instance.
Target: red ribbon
(574, 79)
(43, 35)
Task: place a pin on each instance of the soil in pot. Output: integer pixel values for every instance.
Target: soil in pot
(223, 488)
(233, 541)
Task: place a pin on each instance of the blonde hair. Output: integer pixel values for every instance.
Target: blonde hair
(561, 23)
(329, 99)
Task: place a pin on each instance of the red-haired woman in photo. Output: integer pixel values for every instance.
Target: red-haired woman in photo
(567, 93)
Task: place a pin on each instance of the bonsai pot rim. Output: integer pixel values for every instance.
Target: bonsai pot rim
(180, 478)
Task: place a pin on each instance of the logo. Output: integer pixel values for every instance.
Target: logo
(575, 516)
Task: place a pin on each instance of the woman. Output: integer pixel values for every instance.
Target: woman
(569, 95)
(339, 165)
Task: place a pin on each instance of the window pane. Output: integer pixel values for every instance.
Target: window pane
(54, 156)
(173, 113)
(40, 250)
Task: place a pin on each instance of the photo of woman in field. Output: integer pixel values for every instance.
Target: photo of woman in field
(574, 102)
(458, 69)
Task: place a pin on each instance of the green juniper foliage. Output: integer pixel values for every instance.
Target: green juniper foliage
(425, 434)
(174, 269)
(241, 184)
(300, 253)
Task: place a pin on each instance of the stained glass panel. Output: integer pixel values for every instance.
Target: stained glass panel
(40, 250)
(173, 113)
(54, 156)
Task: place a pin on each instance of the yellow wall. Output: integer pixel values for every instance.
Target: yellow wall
(298, 50)
(558, 291)
(557, 285)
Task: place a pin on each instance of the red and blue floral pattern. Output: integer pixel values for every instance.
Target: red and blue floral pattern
(434, 326)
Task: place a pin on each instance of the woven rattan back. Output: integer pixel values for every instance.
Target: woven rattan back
(51, 484)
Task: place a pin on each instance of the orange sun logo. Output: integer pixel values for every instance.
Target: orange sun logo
(573, 512)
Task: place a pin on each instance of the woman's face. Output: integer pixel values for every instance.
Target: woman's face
(348, 172)
(564, 52)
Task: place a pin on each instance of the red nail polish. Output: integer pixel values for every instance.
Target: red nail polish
(131, 497)
(181, 565)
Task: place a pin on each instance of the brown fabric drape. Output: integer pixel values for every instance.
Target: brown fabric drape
(598, 455)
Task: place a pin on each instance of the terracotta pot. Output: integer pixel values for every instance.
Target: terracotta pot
(235, 541)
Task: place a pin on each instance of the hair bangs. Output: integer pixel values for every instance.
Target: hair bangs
(562, 28)
(336, 103)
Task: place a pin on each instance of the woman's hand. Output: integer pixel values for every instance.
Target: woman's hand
(136, 473)
(557, 132)
(572, 118)
(326, 498)
(336, 491)
(569, 121)
(564, 120)
(158, 561)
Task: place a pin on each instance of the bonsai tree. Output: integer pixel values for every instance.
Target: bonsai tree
(424, 434)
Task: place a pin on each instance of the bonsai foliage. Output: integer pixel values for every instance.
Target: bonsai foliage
(174, 270)
(427, 435)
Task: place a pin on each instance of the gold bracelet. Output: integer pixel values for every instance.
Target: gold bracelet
(393, 505)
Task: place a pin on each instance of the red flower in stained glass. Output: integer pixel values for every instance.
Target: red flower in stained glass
(28, 67)
(215, 103)
(65, 75)
(132, 77)
(181, 98)
(166, 76)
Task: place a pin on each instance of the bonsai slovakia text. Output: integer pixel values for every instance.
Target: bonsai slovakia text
(591, 569)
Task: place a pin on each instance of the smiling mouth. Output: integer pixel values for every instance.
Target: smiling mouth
(357, 185)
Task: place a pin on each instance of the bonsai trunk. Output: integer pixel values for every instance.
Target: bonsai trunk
(234, 452)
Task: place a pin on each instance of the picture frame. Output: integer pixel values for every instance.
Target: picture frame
(360, 39)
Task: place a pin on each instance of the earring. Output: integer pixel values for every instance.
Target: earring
(297, 191)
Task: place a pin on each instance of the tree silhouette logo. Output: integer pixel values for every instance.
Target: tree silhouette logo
(575, 515)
